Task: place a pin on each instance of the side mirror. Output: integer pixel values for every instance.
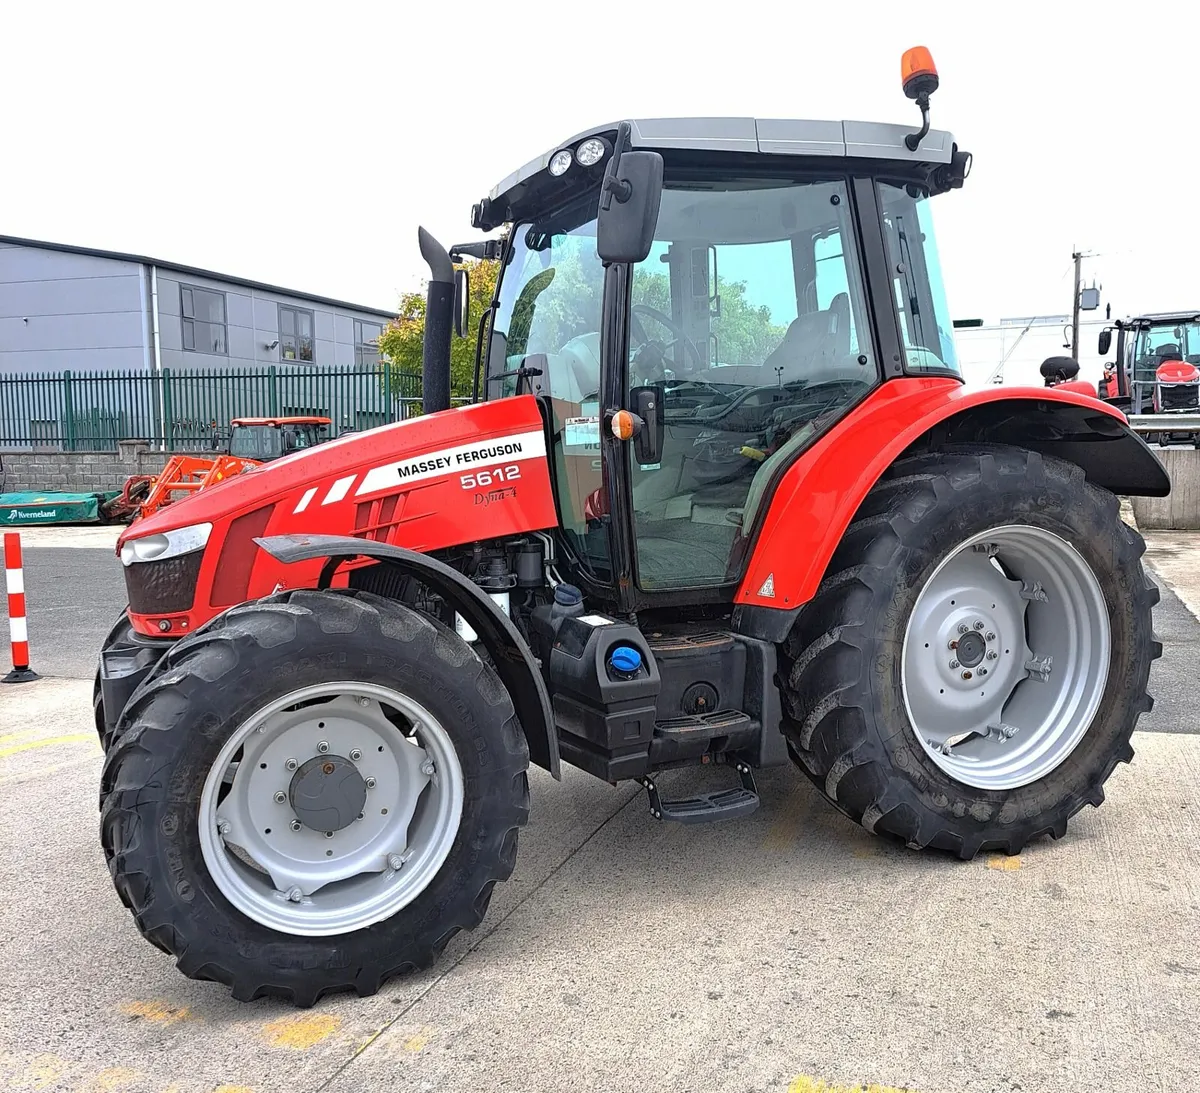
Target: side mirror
(646, 402)
(629, 207)
(1105, 342)
(289, 442)
(462, 302)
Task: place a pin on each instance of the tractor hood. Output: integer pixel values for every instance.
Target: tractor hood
(431, 482)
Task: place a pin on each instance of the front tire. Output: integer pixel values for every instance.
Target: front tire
(230, 793)
(913, 743)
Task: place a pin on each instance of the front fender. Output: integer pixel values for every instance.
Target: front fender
(515, 663)
(818, 494)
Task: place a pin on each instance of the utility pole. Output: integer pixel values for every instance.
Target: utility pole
(1078, 256)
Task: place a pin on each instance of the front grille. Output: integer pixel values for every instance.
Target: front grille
(163, 587)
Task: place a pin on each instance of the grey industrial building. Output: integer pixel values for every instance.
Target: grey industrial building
(65, 307)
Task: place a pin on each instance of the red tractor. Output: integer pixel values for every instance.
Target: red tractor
(724, 503)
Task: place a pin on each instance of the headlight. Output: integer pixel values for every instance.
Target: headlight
(151, 548)
(560, 161)
(591, 151)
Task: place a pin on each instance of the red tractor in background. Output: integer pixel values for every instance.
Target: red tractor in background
(252, 442)
(723, 503)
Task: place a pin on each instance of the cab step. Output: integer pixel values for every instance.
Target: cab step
(724, 804)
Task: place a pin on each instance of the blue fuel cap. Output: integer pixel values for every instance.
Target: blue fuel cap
(625, 660)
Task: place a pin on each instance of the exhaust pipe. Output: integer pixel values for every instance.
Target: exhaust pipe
(439, 316)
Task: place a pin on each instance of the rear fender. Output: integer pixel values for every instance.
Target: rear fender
(818, 495)
(513, 659)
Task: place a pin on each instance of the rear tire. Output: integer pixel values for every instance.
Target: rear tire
(214, 684)
(846, 696)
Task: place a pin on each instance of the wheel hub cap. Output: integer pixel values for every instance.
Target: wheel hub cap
(327, 793)
(1005, 657)
(971, 649)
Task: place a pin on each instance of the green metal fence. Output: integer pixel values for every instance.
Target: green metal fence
(191, 408)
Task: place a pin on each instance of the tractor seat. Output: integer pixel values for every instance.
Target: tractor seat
(812, 344)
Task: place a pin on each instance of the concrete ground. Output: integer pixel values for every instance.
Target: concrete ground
(787, 951)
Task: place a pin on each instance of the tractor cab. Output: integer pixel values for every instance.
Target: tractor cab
(1157, 363)
(267, 438)
(742, 329)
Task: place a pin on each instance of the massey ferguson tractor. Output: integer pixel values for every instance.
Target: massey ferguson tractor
(722, 502)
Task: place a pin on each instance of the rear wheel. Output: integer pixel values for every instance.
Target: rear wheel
(313, 793)
(970, 672)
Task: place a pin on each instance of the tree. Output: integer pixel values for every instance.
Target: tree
(400, 343)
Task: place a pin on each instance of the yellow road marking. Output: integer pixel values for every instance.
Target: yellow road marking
(70, 738)
(158, 1013)
(301, 1031)
(1004, 862)
(415, 1043)
(232, 1089)
(30, 1071)
(802, 1083)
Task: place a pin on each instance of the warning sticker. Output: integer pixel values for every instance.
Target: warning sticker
(581, 436)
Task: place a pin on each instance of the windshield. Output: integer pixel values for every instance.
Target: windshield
(1174, 342)
(255, 442)
(549, 308)
(925, 323)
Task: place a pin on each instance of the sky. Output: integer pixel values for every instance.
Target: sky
(301, 144)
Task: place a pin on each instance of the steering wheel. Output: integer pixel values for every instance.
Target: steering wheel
(681, 339)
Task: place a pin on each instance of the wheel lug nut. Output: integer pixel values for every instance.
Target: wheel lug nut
(952, 644)
(355, 754)
(395, 861)
(427, 767)
(992, 654)
(223, 827)
(370, 783)
(963, 628)
(295, 895)
(280, 797)
(990, 636)
(362, 700)
(954, 664)
(329, 834)
(966, 675)
(982, 671)
(296, 825)
(978, 625)
(291, 764)
(323, 747)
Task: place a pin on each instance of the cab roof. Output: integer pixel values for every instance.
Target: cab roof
(771, 136)
(1162, 318)
(513, 195)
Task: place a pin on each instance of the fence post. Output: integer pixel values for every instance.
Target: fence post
(387, 389)
(168, 427)
(68, 411)
(273, 390)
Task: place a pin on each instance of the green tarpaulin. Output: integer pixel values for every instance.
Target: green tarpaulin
(31, 509)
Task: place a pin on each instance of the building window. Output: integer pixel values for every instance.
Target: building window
(295, 334)
(366, 344)
(202, 313)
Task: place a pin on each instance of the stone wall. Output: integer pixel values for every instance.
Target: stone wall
(80, 472)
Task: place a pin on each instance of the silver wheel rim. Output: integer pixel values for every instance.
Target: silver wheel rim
(300, 879)
(1005, 657)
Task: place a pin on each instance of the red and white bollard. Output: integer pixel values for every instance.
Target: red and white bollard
(14, 579)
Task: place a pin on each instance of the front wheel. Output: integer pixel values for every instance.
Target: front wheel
(313, 793)
(971, 671)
